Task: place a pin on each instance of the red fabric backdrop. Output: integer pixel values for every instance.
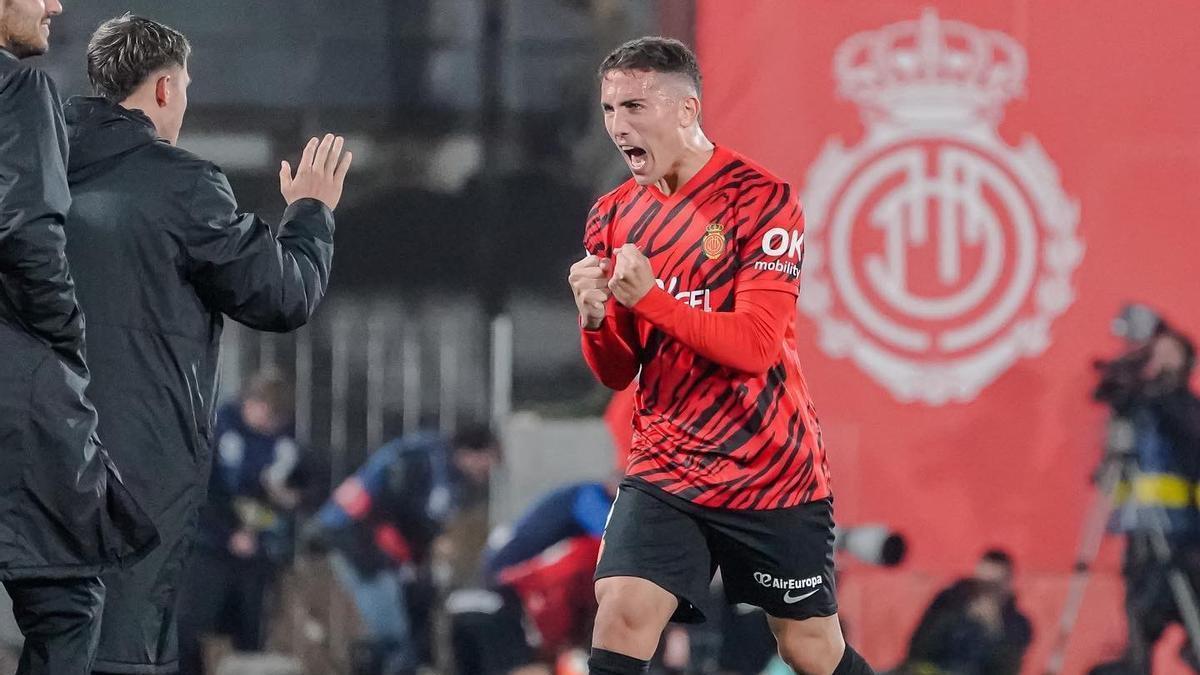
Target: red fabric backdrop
(1110, 96)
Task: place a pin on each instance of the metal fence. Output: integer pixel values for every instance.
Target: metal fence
(367, 370)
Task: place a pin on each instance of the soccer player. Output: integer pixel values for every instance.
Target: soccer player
(691, 280)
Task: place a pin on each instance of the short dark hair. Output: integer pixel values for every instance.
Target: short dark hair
(658, 54)
(124, 51)
(475, 436)
(1000, 557)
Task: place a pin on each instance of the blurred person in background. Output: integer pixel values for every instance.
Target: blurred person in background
(739, 641)
(1154, 447)
(690, 285)
(247, 523)
(381, 525)
(161, 255)
(67, 515)
(538, 601)
(973, 627)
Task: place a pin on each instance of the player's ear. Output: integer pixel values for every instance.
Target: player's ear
(162, 90)
(689, 111)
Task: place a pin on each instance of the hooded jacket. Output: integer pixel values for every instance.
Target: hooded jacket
(160, 254)
(63, 509)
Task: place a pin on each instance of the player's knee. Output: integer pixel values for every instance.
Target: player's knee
(620, 619)
(615, 631)
(812, 653)
(631, 610)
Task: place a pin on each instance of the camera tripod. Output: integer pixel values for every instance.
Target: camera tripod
(1120, 464)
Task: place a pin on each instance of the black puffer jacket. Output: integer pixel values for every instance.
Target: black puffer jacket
(160, 253)
(63, 510)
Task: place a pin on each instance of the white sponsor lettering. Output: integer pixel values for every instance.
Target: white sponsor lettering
(791, 269)
(701, 298)
(779, 240)
(768, 581)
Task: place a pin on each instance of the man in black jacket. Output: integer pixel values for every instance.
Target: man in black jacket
(64, 514)
(161, 253)
(973, 626)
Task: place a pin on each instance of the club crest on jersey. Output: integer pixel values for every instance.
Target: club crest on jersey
(939, 253)
(714, 241)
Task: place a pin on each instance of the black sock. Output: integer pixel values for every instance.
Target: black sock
(604, 662)
(852, 664)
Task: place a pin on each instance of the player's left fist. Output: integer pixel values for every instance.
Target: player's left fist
(632, 277)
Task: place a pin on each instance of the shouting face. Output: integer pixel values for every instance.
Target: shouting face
(647, 115)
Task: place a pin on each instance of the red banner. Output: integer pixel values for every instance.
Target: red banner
(986, 183)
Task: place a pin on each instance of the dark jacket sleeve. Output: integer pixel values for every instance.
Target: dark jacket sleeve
(34, 200)
(930, 633)
(547, 522)
(241, 269)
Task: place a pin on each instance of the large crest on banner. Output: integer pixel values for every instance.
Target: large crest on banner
(937, 255)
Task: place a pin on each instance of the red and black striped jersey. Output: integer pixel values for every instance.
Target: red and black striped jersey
(716, 435)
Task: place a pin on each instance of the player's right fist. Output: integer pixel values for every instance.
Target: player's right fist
(589, 284)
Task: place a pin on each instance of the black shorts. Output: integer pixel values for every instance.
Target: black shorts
(780, 560)
(489, 637)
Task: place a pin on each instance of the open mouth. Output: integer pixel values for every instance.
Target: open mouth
(635, 156)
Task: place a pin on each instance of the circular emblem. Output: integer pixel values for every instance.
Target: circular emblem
(937, 254)
(714, 241)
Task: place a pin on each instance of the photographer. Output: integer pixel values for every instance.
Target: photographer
(1154, 441)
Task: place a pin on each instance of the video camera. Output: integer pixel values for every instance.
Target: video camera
(1124, 380)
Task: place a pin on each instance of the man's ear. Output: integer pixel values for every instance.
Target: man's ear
(162, 90)
(689, 111)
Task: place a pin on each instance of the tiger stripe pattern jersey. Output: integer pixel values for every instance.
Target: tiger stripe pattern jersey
(716, 436)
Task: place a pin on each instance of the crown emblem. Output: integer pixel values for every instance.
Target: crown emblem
(931, 93)
(714, 241)
(929, 70)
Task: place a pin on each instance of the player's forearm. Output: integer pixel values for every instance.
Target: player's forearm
(609, 355)
(749, 339)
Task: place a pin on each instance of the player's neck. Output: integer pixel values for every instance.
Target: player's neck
(697, 151)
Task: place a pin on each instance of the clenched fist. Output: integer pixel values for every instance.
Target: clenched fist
(589, 283)
(632, 276)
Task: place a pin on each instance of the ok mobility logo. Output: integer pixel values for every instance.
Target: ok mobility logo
(767, 581)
